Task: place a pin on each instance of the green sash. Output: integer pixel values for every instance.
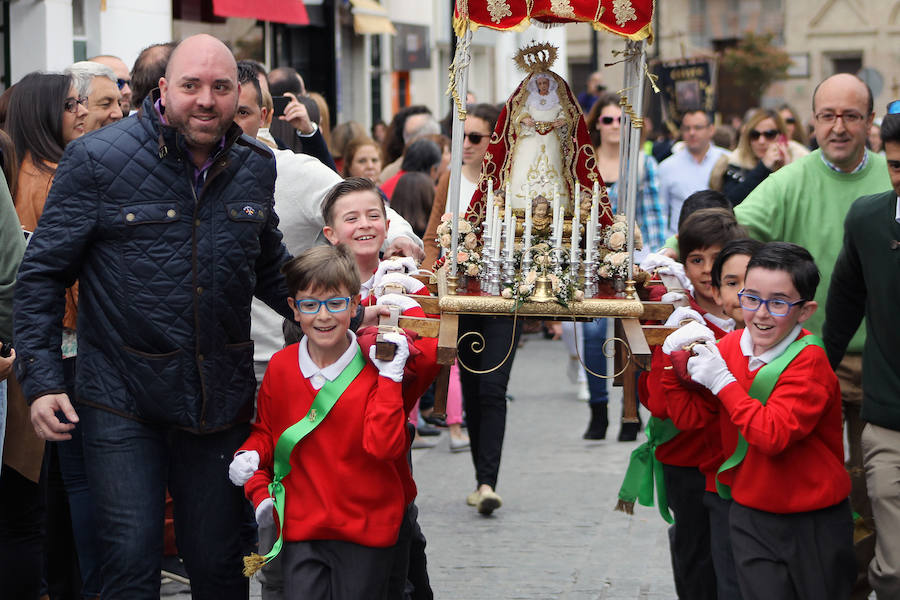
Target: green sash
(325, 399)
(762, 386)
(644, 469)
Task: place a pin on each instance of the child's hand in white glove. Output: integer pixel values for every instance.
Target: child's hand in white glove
(404, 302)
(243, 467)
(410, 284)
(708, 368)
(683, 313)
(687, 334)
(654, 261)
(392, 369)
(265, 513)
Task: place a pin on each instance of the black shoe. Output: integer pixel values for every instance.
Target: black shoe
(436, 421)
(426, 430)
(599, 421)
(629, 432)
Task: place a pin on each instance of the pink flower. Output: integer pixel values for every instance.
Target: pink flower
(462, 257)
(579, 295)
(616, 240)
(446, 217)
(470, 241)
(506, 293)
(472, 270)
(445, 240)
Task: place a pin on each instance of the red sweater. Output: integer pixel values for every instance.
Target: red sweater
(349, 477)
(698, 443)
(795, 459)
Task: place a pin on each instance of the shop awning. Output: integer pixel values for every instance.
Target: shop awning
(291, 12)
(371, 17)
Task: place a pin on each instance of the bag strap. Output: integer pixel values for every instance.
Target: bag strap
(322, 404)
(762, 387)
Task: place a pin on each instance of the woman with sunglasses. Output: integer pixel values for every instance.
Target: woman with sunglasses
(794, 126)
(763, 148)
(604, 126)
(45, 114)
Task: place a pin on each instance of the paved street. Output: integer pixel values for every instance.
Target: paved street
(556, 535)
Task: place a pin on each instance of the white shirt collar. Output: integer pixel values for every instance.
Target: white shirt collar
(318, 376)
(726, 324)
(769, 355)
(366, 288)
(897, 216)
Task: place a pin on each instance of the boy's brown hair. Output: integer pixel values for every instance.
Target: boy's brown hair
(348, 186)
(708, 227)
(322, 268)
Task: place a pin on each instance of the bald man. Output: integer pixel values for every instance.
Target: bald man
(167, 221)
(123, 78)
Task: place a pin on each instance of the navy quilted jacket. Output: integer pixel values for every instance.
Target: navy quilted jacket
(166, 270)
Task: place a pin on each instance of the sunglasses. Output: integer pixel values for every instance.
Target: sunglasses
(610, 120)
(475, 138)
(790, 120)
(71, 104)
(769, 134)
(122, 83)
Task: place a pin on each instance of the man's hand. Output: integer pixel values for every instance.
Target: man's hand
(296, 114)
(6, 364)
(403, 246)
(44, 421)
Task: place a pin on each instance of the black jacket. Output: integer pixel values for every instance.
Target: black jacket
(166, 269)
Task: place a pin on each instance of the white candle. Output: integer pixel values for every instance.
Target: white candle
(510, 229)
(573, 255)
(495, 241)
(527, 241)
(592, 226)
(488, 222)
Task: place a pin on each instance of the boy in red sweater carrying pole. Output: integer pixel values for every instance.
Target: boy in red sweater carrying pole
(790, 524)
(328, 449)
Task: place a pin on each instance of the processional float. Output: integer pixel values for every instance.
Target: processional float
(539, 239)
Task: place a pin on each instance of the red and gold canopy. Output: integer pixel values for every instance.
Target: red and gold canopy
(628, 18)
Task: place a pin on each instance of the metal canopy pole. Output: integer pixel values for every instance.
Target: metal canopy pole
(637, 61)
(461, 62)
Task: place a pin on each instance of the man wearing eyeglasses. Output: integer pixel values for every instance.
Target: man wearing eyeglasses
(98, 83)
(866, 282)
(123, 78)
(688, 170)
(806, 202)
(166, 219)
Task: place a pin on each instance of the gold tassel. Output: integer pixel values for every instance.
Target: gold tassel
(621, 506)
(253, 563)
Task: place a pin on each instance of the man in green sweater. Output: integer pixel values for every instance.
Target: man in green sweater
(805, 203)
(866, 282)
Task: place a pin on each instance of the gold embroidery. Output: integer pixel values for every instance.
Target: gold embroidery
(312, 415)
(624, 12)
(562, 8)
(498, 9)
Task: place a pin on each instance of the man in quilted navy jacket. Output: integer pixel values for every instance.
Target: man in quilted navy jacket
(166, 220)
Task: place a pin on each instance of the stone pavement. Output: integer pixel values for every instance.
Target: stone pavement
(556, 536)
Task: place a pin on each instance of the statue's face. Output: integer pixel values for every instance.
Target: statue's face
(543, 86)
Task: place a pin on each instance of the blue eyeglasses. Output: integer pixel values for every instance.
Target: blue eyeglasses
(311, 306)
(775, 306)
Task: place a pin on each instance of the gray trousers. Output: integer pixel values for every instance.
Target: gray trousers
(881, 455)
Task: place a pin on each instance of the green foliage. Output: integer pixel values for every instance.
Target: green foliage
(755, 62)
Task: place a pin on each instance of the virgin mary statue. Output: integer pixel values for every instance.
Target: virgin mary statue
(540, 144)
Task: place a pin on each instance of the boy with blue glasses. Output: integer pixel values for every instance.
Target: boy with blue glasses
(790, 523)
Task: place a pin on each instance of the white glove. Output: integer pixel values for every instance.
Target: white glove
(392, 369)
(677, 270)
(682, 313)
(409, 284)
(708, 368)
(404, 264)
(687, 334)
(674, 298)
(265, 513)
(654, 261)
(404, 302)
(243, 467)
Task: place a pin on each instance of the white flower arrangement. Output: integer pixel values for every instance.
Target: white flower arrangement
(468, 250)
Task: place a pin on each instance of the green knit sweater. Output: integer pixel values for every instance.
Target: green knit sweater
(12, 247)
(805, 203)
(866, 281)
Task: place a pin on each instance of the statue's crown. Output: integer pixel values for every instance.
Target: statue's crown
(536, 57)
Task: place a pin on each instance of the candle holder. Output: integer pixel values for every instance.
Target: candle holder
(590, 281)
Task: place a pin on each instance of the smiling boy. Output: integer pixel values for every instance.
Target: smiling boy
(790, 524)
